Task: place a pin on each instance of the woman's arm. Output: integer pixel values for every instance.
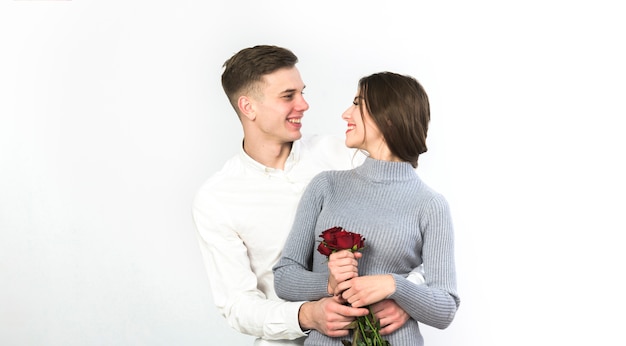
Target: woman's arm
(294, 279)
(433, 303)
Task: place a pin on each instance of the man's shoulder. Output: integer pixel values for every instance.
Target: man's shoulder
(325, 146)
(230, 169)
(317, 141)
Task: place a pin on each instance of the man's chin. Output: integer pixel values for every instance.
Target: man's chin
(296, 135)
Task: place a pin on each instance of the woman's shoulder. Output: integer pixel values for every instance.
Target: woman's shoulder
(331, 176)
(432, 197)
(329, 180)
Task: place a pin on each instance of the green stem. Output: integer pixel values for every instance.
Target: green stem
(373, 325)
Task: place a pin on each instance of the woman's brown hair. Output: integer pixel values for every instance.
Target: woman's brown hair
(399, 106)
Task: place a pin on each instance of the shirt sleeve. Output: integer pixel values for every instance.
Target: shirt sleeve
(232, 282)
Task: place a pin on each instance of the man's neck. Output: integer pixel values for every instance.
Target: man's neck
(267, 153)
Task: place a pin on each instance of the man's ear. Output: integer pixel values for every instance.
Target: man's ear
(244, 103)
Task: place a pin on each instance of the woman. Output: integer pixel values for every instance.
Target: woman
(405, 223)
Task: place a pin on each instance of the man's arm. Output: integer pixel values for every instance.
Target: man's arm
(234, 286)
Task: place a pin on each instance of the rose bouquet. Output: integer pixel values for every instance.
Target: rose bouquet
(366, 328)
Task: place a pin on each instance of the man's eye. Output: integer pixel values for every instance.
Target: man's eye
(288, 97)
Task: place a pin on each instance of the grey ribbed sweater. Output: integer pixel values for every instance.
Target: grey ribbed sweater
(405, 223)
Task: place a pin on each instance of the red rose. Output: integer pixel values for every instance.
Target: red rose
(336, 238)
(368, 327)
(324, 250)
(358, 241)
(343, 240)
(329, 234)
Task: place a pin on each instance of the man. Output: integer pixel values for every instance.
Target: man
(244, 212)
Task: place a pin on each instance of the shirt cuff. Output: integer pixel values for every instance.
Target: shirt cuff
(293, 322)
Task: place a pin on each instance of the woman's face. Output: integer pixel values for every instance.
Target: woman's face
(362, 133)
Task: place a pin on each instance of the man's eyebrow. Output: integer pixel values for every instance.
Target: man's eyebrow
(289, 91)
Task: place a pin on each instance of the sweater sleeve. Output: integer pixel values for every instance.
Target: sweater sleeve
(294, 279)
(436, 302)
(234, 286)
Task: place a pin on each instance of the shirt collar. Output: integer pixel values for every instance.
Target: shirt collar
(292, 159)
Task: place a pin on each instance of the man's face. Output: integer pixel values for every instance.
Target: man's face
(280, 105)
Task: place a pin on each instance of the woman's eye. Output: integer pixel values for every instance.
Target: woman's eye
(355, 103)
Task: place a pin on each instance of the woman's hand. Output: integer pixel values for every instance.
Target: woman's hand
(361, 291)
(342, 266)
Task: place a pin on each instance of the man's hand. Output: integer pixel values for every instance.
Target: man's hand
(328, 316)
(390, 315)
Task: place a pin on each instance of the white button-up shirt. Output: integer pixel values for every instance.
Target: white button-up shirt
(243, 214)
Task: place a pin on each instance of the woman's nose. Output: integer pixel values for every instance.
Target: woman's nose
(346, 114)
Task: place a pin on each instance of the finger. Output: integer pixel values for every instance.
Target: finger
(352, 311)
(349, 274)
(343, 286)
(354, 299)
(339, 269)
(341, 254)
(344, 263)
(388, 329)
(339, 301)
(381, 314)
(338, 331)
(379, 308)
(384, 331)
(384, 322)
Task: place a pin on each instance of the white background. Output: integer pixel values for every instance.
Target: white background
(112, 115)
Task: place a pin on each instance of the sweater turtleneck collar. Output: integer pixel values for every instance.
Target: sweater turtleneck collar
(381, 171)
